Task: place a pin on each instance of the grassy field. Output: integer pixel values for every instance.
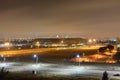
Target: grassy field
(47, 53)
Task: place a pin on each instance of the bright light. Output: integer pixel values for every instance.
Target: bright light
(7, 44)
(3, 65)
(37, 44)
(35, 56)
(90, 40)
(94, 40)
(78, 56)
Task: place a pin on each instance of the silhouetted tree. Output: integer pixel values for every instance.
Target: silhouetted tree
(117, 56)
(110, 47)
(102, 49)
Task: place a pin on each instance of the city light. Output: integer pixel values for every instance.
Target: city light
(59, 40)
(7, 44)
(94, 40)
(37, 44)
(90, 40)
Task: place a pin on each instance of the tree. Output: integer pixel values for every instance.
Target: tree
(117, 56)
(110, 47)
(102, 49)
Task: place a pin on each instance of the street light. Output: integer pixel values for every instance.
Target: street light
(90, 41)
(78, 56)
(36, 58)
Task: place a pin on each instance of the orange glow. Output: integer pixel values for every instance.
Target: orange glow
(62, 42)
(89, 40)
(94, 40)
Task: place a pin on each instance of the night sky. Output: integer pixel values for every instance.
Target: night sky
(47, 18)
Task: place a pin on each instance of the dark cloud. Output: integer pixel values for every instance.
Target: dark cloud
(89, 18)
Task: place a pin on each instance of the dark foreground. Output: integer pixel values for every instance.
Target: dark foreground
(34, 77)
(22, 76)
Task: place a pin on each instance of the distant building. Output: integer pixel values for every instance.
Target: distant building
(60, 42)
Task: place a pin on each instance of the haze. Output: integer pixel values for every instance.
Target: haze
(47, 18)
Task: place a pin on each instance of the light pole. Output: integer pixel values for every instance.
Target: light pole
(36, 58)
(36, 61)
(78, 56)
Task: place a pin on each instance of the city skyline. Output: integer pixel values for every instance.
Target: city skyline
(48, 18)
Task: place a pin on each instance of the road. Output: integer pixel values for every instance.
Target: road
(58, 69)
